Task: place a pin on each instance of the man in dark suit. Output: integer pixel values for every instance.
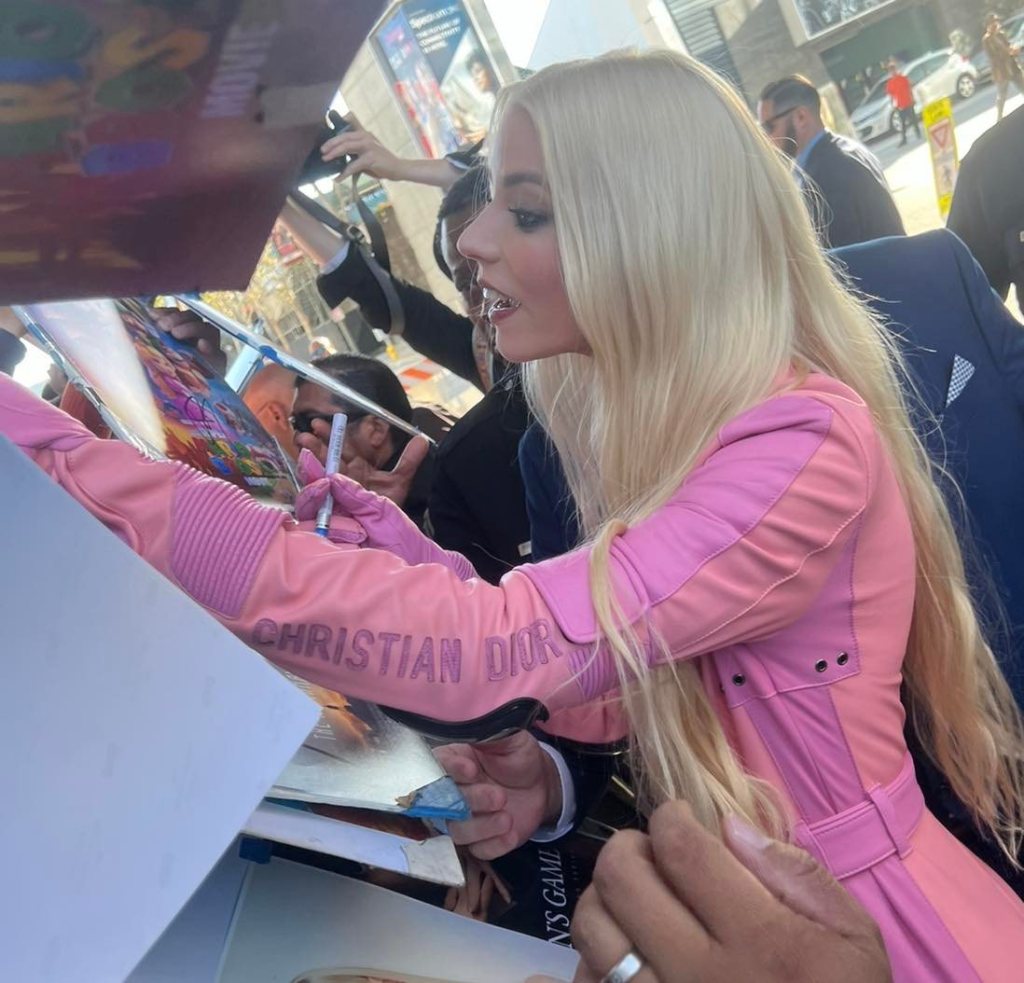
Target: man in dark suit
(842, 181)
(965, 354)
(988, 204)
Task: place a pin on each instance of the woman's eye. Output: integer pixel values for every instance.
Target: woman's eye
(527, 220)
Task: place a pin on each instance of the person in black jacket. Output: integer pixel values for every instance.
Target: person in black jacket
(842, 180)
(12, 348)
(477, 504)
(402, 469)
(988, 204)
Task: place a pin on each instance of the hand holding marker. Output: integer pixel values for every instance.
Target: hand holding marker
(333, 462)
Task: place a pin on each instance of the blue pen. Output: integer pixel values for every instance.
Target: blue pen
(334, 446)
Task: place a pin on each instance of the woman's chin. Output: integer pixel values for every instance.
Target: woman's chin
(511, 348)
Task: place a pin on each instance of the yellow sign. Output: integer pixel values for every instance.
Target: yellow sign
(938, 123)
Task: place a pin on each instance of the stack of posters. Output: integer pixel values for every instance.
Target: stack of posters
(365, 788)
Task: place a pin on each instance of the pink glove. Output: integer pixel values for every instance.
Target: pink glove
(384, 524)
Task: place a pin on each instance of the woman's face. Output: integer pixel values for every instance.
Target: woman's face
(513, 242)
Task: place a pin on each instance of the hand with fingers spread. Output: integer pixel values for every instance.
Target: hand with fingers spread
(383, 525)
(511, 785)
(193, 330)
(393, 484)
(396, 483)
(370, 156)
(681, 904)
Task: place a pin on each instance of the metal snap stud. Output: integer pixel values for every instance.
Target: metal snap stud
(739, 679)
(843, 658)
(820, 666)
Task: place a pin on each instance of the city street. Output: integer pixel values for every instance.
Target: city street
(909, 170)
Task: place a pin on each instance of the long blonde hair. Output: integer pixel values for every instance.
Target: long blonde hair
(695, 275)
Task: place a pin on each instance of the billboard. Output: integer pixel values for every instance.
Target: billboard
(440, 71)
(146, 146)
(819, 16)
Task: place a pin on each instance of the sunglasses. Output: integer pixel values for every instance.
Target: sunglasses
(303, 422)
(769, 124)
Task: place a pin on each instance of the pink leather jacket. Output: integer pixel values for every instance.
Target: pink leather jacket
(737, 555)
(784, 564)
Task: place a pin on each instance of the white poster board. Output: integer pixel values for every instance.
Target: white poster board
(298, 923)
(136, 737)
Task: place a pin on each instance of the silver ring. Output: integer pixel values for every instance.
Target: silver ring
(624, 970)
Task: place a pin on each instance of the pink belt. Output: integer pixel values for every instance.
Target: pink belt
(864, 835)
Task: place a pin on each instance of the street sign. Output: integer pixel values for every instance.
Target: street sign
(939, 125)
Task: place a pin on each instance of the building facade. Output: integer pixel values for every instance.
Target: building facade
(840, 45)
(386, 95)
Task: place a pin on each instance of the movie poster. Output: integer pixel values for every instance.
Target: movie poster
(146, 146)
(163, 396)
(441, 73)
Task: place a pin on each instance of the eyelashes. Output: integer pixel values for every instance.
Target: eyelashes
(527, 220)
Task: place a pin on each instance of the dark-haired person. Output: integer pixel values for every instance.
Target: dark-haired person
(431, 327)
(477, 504)
(376, 454)
(842, 180)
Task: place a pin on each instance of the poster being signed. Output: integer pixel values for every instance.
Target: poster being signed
(160, 393)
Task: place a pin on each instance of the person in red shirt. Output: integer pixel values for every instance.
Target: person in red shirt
(899, 89)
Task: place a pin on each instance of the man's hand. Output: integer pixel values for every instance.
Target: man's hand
(394, 484)
(193, 330)
(745, 909)
(315, 442)
(512, 787)
(373, 158)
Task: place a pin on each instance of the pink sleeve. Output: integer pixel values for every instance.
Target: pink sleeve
(744, 546)
(739, 551)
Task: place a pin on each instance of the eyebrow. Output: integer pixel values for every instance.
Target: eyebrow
(522, 177)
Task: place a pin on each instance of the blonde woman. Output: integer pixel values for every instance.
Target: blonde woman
(766, 555)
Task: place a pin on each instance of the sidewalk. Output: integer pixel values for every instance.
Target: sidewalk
(911, 181)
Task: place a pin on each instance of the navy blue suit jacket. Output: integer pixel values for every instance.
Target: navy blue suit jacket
(965, 352)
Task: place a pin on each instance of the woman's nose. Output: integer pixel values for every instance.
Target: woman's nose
(477, 242)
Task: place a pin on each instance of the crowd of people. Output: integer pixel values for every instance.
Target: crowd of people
(740, 494)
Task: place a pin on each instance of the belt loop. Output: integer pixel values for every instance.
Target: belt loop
(880, 797)
(804, 838)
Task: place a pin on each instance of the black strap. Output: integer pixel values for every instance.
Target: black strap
(376, 256)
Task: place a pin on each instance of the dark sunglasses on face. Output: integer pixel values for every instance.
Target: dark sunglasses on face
(769, 124)
(303, 422)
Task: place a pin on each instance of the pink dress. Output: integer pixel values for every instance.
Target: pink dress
(784, 564)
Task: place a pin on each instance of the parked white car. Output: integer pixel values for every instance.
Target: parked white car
(934, 76)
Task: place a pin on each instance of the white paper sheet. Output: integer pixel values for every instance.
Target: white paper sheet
(294, 919)
(136, 738)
